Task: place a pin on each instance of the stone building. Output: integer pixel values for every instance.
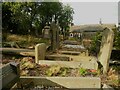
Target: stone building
(87, 31)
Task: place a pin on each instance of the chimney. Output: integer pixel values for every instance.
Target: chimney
(100, 22)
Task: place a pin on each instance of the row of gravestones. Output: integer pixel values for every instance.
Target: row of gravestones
(40, 49)
(104, 54)
(52, 32)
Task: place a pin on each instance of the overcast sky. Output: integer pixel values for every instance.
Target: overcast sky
(119, 12)
(91, 12)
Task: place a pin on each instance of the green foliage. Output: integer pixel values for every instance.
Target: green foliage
(72, 39)
(82, 71)
(25, 14)
(31, 17)
(65, 20)
(116, 39)
(7, 22)
(96, 42)
(95, 45)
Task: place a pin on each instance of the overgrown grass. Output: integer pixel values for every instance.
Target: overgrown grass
(24, 40)
(72, 39)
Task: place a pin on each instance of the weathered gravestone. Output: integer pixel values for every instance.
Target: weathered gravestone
(46, 32)
(40, 50)
(9, 75)
(106, 48)
(54, 29)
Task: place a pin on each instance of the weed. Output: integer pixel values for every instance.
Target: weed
(82, 71)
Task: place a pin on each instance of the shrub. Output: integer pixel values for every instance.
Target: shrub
(95, 44)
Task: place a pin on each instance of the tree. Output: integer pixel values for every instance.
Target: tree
(35, 15)
(31, 17)
(65, 19)
(25, 13)
(7, 14)
(49, 12)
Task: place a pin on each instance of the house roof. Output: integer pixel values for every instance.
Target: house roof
(91, 27)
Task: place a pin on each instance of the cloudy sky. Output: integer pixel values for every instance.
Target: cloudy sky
(91, 12)
(119, 12)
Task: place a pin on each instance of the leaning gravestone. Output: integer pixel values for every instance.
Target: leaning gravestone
(106, 48)
(54, 29)
(40, 50)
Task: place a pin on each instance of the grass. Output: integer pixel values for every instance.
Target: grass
(72, 39)
(113, 76)
(24, 41)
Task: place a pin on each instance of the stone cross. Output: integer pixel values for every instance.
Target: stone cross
(106, 48)
(40, 50)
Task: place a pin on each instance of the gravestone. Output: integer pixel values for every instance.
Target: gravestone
(106, 48)
(9, 76)
(40, 50)
(46, 32)
(54, 29)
